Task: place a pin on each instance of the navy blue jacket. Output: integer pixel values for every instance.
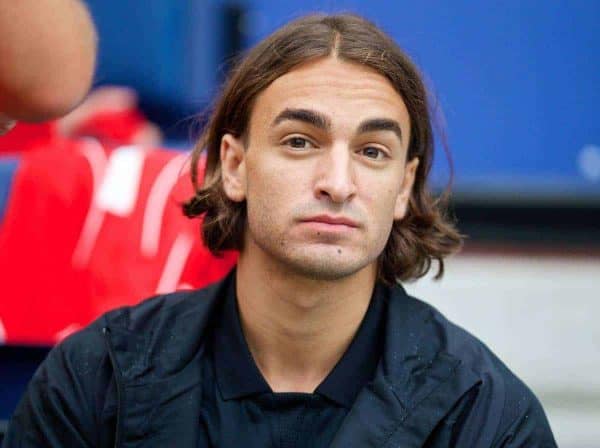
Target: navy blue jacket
(132, 378)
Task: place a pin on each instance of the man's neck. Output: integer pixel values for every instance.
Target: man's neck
(297, 328)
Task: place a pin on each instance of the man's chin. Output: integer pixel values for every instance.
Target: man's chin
(326, 266)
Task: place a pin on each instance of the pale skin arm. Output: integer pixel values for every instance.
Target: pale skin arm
(47, 58)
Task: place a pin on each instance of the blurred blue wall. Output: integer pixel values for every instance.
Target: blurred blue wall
(517, 81)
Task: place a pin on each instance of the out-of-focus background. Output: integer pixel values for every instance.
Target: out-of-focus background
(88, 204)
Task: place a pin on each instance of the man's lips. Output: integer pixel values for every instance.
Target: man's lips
(331, 220)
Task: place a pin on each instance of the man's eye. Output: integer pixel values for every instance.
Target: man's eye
(373, 153)
(297, 143)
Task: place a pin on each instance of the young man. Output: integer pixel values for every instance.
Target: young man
(318, 154)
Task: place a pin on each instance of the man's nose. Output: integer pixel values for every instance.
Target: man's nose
(335, 175)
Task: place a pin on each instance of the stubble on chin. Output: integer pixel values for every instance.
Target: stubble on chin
(327, 262)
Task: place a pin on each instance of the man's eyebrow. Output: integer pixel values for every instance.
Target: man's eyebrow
(311, 117)
(380, 124)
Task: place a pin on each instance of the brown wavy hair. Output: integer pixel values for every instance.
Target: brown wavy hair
(424, 235)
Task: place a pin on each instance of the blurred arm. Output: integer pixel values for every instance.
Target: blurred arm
(47, 58)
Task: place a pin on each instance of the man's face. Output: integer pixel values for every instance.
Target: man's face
(324, 173)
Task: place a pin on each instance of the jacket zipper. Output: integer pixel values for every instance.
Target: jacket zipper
(119, 385)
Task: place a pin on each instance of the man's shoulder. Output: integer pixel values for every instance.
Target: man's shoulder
(139, 327)
(497, 388)
(451, 339)
(443, 335)
(161, 310)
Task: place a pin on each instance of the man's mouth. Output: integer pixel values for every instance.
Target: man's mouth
(329, 220)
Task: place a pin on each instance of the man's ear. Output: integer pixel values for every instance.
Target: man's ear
(410, 173)
(233, 167)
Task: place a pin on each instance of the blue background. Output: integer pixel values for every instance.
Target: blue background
(517, 81)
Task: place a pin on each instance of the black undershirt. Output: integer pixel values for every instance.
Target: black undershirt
(239, 409)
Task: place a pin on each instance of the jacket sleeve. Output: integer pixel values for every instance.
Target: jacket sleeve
(530, 429)
(500, 412)
(58, 408)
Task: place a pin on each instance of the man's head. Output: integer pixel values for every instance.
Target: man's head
(326, 119)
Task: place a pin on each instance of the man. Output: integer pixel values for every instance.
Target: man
(318, 153)
(47, 54)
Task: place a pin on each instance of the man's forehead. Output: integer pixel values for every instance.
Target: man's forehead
(337, 89)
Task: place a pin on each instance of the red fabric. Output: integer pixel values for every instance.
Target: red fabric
(121, 273)
(45, 294)
(117, 126)
(25, 136)
(50, 196)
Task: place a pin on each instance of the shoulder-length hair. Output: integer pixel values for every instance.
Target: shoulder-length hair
(424, 235)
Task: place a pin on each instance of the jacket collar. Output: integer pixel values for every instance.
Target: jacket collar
(240, 377)
(415, 386)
